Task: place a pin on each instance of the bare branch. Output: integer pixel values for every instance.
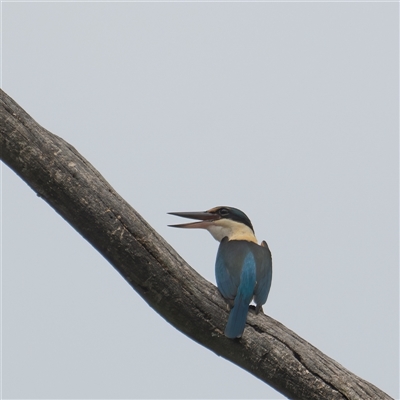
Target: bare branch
(77, 191)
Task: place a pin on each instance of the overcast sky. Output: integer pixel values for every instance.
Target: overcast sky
(288, 111)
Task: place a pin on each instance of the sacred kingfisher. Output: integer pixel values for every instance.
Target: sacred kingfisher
(243, 268)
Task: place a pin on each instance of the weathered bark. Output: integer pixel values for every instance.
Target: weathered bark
(77, 191)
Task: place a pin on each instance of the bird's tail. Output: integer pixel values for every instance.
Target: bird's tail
(238, 315)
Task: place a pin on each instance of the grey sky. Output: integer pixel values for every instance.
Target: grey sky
(288, 111)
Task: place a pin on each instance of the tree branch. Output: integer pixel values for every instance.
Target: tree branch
(77, 191)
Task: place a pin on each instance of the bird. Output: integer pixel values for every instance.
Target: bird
(243, 268)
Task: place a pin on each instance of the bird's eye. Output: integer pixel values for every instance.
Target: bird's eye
(223, 212)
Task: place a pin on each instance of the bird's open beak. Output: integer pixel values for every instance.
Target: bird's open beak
(206, 218)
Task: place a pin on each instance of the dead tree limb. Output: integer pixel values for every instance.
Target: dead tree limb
(77, 191)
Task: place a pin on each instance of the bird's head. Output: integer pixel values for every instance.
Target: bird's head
(220, 222)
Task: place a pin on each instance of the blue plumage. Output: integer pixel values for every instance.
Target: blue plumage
(243, 268)
(238, 314)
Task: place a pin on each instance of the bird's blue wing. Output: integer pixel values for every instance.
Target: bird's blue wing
(226, 274)
(264, 275)
(238, 315)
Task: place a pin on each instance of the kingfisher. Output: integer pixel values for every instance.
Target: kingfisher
(243, 268)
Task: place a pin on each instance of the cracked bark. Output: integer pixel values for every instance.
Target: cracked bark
(78, 192)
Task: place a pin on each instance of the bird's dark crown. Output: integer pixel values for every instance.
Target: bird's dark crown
(233, 214)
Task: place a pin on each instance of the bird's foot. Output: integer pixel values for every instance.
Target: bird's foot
(229, 304)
